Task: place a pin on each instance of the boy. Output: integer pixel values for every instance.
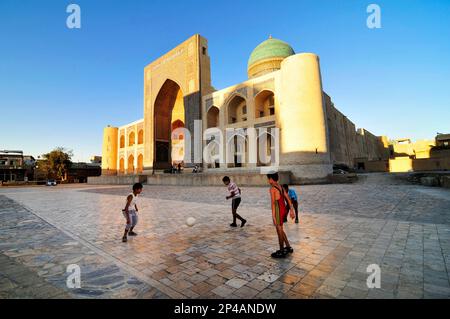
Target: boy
(278, 197)
(130, 212)
(235, 195)
(294, 199)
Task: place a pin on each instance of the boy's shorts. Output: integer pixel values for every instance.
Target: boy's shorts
(235, 203)
(133, 218)
(280, 215)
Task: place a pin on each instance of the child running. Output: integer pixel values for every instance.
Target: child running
(235, 195)
(130, 212)
(294, 200)
(279, 210)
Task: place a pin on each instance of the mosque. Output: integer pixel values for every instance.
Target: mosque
(283, 91)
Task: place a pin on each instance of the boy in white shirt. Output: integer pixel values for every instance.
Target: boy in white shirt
(235, 195)
(130, 212)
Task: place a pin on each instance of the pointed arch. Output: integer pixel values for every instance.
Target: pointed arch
(236, 109)
(121, 165)
(141, 136)
(131, 138)
(212, 117)
(140, 163)
(130, 169)
(264, 104)
(169, 97)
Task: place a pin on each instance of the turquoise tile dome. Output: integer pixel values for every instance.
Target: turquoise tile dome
(271, 48)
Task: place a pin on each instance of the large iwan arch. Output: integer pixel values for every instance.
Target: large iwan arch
(168, 113)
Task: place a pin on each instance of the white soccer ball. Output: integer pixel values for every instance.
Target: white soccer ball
(190, 221)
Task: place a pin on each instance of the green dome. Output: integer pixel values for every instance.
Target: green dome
(271, 48)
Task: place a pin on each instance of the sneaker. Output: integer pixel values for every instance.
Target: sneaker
(124, 239)
(279, 254)
(233, 225)
(243, 222)
(288, 250)
(132, 233)
(296, 221)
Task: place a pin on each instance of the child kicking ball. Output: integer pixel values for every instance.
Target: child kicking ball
(235, 196)
(130, 212)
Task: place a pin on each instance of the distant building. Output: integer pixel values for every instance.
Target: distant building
(79, 172)
(96, 160)
(443, 140)
(423, 155)
(14, 166)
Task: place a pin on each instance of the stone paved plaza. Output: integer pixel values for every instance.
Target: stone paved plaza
(343, 229)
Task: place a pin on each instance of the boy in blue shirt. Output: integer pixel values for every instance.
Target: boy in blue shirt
(294, 199)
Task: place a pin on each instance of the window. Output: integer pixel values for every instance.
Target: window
(204, 50)
(272, 111)
(244, 109)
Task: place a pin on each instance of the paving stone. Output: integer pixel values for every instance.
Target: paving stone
(236, 283)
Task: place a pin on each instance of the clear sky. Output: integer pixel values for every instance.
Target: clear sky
(60, 87)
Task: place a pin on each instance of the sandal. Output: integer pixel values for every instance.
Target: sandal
(278, 254)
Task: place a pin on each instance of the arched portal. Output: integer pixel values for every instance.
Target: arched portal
(140, 163)
(168, 114)
(130, 164)
(264, 104)
(122, 166)
(237, 110)
(141, 137)
(212, 117)
(131, 139)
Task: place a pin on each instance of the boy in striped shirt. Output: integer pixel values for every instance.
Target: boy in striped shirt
(235, 196)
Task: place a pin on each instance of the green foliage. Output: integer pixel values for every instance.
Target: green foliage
(57, 162)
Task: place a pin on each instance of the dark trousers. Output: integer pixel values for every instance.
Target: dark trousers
(234, 206)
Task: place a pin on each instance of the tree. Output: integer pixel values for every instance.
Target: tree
(57, 162)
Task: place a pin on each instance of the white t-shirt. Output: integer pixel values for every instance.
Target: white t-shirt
(133, 201)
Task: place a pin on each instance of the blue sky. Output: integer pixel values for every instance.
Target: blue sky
(60, 87)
